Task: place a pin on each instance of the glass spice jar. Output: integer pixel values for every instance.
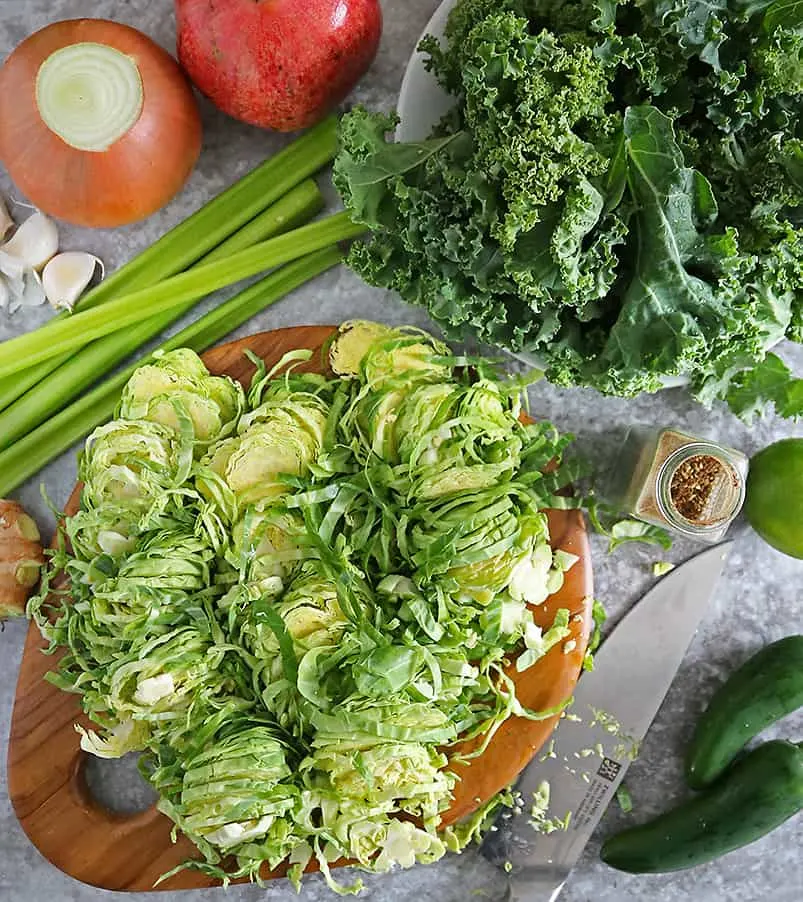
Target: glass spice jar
(692, 486)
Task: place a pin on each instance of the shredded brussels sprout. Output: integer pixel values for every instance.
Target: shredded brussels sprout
(299, 599)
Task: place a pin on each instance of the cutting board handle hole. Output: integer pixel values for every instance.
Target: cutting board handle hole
(115, 785)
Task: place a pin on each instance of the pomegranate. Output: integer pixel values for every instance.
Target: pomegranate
(280, 64)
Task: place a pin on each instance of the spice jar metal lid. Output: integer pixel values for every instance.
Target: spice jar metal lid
(699, 489)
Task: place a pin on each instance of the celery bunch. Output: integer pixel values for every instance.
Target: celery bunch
(259, 223)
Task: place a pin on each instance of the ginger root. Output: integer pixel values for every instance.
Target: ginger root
(21, 558)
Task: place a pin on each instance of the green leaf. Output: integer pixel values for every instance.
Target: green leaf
(635, 531)
(264, 611)
(668, 311)
(767, 383)
(624, 799)
(661, 568)
(368, 163)
(783, 14)
(599, 616)
(387, 670)
(605, 520)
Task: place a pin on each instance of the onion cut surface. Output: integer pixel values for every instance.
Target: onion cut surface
(98, 124)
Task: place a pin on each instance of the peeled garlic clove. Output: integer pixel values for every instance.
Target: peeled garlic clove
(35, 241)
(6, 222)
(23, 287)
(25, 291)
(11, 267)
(66, 276)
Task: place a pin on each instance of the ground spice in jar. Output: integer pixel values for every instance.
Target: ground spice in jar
(693, 485)
(679, 482)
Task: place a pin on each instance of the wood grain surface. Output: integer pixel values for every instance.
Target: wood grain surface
(130, 853)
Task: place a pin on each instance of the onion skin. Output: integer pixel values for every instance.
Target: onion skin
(139, 173)
(278, 64)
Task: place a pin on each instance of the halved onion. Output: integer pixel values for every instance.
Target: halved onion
(98, 124)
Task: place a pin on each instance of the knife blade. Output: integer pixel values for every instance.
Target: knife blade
(614, 705)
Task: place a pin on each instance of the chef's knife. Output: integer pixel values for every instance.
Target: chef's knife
(613, 707)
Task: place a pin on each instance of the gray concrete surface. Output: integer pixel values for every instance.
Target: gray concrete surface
(758, 600)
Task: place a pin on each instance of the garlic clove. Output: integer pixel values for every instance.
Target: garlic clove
(66, 276)
(35, 241)
(11, 267)
(5, 294)
(25, 291)
(6, 222)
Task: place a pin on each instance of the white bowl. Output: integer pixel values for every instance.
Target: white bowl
(422, 103)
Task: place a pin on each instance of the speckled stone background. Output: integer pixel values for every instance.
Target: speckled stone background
(757, 601)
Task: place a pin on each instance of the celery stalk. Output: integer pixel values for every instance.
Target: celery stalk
(25, 458)
(291, 211)
(222, 216)
(92, 362)
(81, 328)
(297, 207)
(197, 235)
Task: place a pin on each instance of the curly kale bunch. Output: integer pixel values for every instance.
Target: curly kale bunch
(618, 190)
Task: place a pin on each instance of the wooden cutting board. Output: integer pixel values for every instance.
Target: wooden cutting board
(119, 852)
